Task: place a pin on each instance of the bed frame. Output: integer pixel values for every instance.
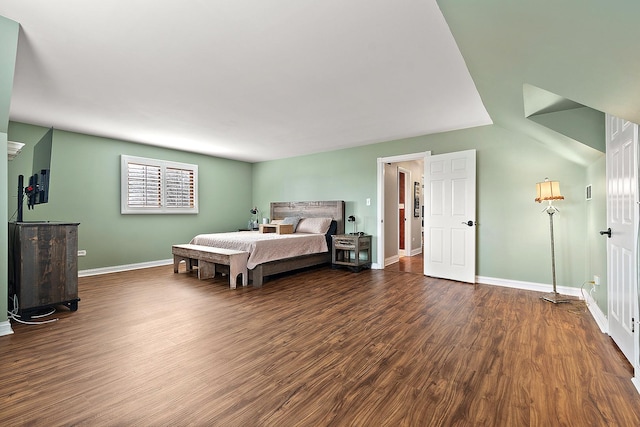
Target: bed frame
(313, 209)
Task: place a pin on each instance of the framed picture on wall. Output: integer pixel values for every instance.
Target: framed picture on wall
(416, 200)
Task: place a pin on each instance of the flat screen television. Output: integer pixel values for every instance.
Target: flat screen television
(41, 168)
(37, 190)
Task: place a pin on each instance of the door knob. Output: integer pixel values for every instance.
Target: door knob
(607, 232)
(469, 223)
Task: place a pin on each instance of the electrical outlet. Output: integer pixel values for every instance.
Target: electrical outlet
(596, 280)
(82, 252)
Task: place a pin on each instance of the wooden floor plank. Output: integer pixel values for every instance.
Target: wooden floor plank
(321, 347)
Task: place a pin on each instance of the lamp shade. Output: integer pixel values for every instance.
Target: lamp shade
(548, 190)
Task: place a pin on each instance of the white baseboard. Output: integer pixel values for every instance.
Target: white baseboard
(396, 258)
(5, 328)
(596, 312)
(126, 267)
(636, 382)
(416, 251)
(528, 286)
(391, 260)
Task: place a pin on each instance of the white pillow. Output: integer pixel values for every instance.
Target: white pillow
(313, 225)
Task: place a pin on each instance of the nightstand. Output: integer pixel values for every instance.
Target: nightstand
(351, 250)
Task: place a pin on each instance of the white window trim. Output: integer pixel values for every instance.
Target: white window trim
(163, 165)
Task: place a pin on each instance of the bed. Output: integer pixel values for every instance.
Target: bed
(271, 253)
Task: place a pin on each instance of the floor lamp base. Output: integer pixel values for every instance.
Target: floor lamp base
(554, 297)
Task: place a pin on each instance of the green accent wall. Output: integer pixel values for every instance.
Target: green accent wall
(8, 49)
(564, 47)
(513, 234)
(512, 155)
(85, 187)
(585, 125)
(9, 31)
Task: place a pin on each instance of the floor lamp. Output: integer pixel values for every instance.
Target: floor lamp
(549, 191)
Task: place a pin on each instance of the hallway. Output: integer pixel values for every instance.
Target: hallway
(407, 264)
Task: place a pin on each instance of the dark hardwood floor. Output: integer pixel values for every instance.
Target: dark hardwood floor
(319, 348)
(408, 264)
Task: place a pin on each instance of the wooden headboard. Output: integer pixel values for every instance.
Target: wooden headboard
(325, 209)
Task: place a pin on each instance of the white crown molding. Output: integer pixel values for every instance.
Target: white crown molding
(13, 149)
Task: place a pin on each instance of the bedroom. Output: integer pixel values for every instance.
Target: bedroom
(229, 187)
(512, 238)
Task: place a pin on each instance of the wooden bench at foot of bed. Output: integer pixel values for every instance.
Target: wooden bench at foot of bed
(208, 257)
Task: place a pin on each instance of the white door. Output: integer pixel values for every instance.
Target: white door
(450, 216)
(622, 218)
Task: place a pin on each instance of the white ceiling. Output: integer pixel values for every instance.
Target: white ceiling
(251, 80)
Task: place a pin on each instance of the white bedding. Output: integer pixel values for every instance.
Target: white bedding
(265, 247)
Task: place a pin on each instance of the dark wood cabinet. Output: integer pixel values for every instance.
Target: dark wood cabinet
(43, 265)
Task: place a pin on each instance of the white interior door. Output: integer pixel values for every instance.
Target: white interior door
(450, 216)
(622, 218)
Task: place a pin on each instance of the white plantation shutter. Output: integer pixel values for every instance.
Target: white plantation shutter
(158, 186)
(179, 188)
(144, 187)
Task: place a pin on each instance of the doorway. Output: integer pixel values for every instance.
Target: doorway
(404, 177)
(463, 236)
(400, 239)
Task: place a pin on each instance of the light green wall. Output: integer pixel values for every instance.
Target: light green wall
(513, 233)
(565, 47)
(8, 48)
(585, 125)
(348, 175)
(4, 256)
(85, 187)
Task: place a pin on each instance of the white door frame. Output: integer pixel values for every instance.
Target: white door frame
(380, 214)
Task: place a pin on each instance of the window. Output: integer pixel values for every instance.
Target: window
(156, 186)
